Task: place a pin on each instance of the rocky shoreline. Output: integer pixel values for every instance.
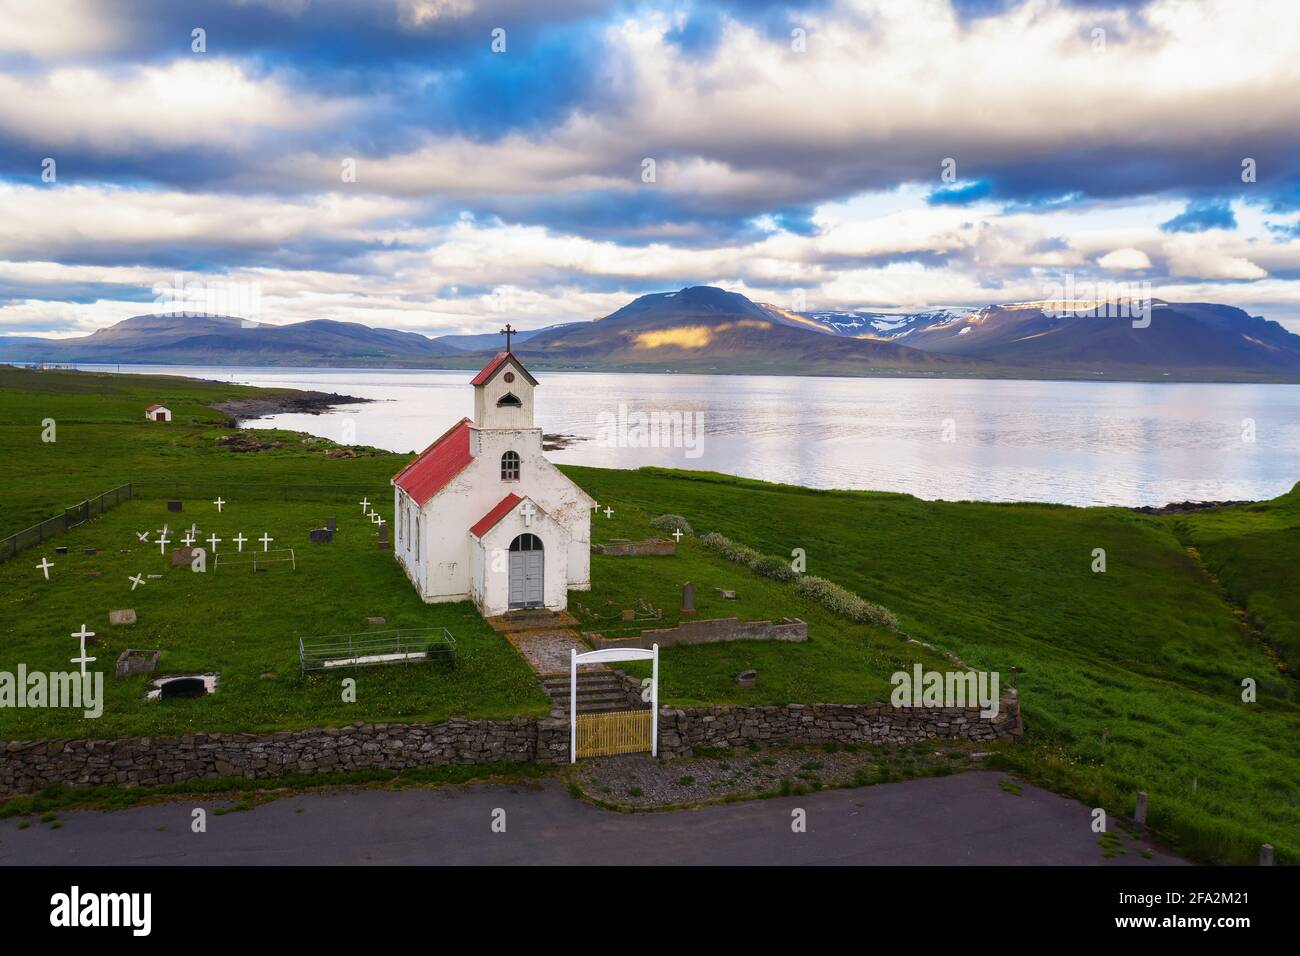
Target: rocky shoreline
(307, 403)
(1188, 507)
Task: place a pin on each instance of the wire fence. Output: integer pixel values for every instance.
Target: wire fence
(78, 514)
(233, 491)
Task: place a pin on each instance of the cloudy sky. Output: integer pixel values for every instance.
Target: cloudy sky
(437, 165)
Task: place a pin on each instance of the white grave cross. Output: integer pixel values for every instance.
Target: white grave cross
(266, 540)
(239, 540)
(83, 660)
(365, 503)
(214, 541)
(45, 566)
(135, 579)
(162, 544)
(218, 503)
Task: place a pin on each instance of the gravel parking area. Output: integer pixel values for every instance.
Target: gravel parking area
(639, 781)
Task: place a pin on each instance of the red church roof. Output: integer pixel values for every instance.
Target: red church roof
(499, 511)
(153, 408)
(497, 361)
(438, 464)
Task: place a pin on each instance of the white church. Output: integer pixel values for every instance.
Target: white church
(481, 513)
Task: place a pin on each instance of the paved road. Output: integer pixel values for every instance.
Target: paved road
(962, 819)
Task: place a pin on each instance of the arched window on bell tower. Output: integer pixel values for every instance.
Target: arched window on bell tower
(510, 466)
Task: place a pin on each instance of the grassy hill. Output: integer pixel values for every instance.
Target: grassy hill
(1130, 679)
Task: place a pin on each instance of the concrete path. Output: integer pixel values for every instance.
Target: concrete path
(962, 819)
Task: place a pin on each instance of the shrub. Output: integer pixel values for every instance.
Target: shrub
(771, 567)
(844, 602)
(741, 554)
(671, 523)
(830, 595)
(714, 541)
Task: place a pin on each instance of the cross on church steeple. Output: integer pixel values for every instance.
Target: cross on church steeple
(507, 332)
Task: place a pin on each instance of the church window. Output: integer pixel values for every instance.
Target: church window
(510, 466)
(509, 400)
(526, 542)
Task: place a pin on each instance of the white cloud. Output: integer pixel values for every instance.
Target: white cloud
(42, 28)
(1126, 258)
(188, 102)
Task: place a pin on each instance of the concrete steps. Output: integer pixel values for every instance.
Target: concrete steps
(533, 619)
(598, 692)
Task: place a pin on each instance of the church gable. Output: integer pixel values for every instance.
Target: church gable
(503, 394)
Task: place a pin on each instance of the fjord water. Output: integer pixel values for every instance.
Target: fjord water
(1079, 443)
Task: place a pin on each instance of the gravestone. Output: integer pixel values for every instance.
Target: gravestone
(688, 598)
(182, 556)
(331, 524)
(61, 549)
(375, 620)
(629, 615)
(124, 616)
(91, 552)
(132, 661)
(321, 536)
(747, 678)
(727, 595)
(93, 574)
(383, 536)
(173, 506)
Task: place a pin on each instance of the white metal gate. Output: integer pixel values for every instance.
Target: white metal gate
(592, 735)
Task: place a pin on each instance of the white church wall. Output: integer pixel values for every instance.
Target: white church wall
(478, 570)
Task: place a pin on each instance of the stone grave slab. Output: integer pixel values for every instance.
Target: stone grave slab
(134, 661)
(124, 616)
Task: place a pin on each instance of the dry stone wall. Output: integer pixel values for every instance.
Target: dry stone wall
(27, 766)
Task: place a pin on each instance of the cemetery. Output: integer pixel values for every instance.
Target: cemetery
(957, 575)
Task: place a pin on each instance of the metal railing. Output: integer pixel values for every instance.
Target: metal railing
(397, 646)
(256, 560)
(78, 514)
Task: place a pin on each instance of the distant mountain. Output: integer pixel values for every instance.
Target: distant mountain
(1183, 339)
(225, 340)
(884, 325)
(491, 340)
(705, 329)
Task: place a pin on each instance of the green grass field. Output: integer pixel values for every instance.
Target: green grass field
(1254, 551)
(1130, 679)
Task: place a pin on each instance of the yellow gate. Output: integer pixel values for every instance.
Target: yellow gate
(617, 732)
